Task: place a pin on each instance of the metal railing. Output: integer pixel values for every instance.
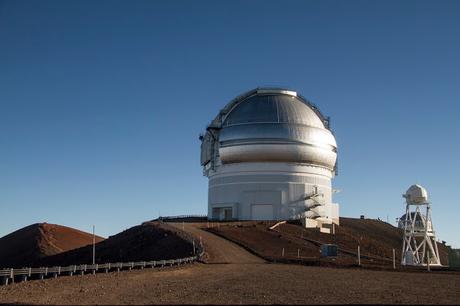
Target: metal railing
(172, 218)
(24, 273)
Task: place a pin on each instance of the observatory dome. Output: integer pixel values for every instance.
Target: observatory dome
(276, 126)
(416, 194)
(269, 154)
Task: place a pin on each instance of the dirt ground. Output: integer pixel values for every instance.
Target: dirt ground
(218, 250)
(255, 283)
(291, 242)
(147, 241)
(231, 275)
(28, 245)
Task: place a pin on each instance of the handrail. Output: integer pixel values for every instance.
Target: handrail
(167, 218)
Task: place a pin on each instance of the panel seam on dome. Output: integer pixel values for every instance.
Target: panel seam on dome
(277, 109)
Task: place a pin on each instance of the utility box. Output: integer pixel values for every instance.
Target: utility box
(328, 250)
(454, 258)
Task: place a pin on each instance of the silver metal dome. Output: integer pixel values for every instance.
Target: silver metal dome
(272, 108)
(270, 125)
(416, 194)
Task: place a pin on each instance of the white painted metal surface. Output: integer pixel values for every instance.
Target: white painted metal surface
(419, 241)
(416, 194)
(262, 211)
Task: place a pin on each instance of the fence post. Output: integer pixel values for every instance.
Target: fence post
(394, 260)
(282, 253)
(298, 253)
(359, 256)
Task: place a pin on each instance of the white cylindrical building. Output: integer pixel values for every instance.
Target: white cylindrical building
(270, 155)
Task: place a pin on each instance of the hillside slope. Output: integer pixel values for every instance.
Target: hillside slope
(148, 241)
(28, 245)
(376, 239)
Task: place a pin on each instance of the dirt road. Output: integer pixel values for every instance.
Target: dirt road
(219, 250)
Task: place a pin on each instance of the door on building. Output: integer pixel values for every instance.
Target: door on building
(222, 213)
(262, 212)
(228, 213)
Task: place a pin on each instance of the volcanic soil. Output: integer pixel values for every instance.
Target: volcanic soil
(293, 243)
(29, 245)
(232, 275)
(144, 242)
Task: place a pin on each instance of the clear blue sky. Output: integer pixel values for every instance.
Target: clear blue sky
(102, 102)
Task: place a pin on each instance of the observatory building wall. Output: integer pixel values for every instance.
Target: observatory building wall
(264, 194)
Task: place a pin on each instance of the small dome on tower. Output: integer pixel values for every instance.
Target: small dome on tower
(416, 194)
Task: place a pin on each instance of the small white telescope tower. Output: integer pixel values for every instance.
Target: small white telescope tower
(419, 245)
